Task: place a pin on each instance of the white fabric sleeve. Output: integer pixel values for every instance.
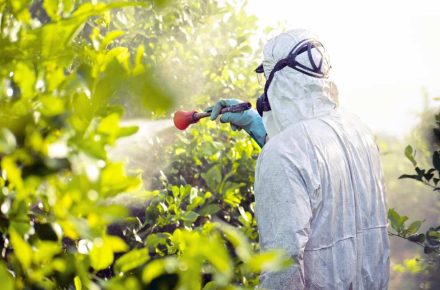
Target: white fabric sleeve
(283, 215)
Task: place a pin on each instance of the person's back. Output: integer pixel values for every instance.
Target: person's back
(319, 188)
(346, 242)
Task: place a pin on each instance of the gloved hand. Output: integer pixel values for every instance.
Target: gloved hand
(248, 120)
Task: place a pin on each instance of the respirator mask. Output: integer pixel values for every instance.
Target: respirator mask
(314, 69)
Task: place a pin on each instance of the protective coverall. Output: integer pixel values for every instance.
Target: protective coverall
(319, 189)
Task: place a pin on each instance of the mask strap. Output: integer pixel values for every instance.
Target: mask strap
(290, 61)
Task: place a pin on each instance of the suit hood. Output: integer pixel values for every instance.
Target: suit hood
(294, 96)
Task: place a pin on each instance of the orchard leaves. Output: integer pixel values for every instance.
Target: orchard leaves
(398, 224)
(131, 260)
(195, 250)
(430, 240)
(430, 176)
(56, 123)
(6, 278)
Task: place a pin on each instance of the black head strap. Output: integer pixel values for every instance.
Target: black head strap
(290, 61)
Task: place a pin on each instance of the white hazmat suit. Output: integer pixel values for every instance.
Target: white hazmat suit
(319, 188)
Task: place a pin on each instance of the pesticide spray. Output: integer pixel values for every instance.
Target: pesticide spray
(183, 119)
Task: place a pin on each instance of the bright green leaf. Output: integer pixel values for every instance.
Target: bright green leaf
(158, 267)
(52, 9)
(269, 261)
(24, 76)
(22, 250)
(101, 255)
(116, 244)
(131, 260)
(77, 282)
(109, 37)
(6, 278)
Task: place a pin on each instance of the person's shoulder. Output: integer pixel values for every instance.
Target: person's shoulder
(354, 120)
(285, 147)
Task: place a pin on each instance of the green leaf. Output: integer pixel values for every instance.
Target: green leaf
(413, 227)
(127, 131)
(109, 37)
(45, 232)
(409, 153)
(52, 8)
(22, 250)
(109, 124)
(190, 216)
(155, 96)
(417, 238)
(209, 209)
(436, 160)
(7, 141)
(396, 220)
(68, 6)
(213, 177)
(410, 176)
(77, 282)
(6, 278)
(131, 260)
(413, 265)
(158, 267)
(212, 285)
(101, 255)
(155, 239)
(52, 106)
(25, 78)
(238, 240)
(269, 261)
(138, 65)
(116, 244)
(179, 151)
(46, 251)
(114, 180)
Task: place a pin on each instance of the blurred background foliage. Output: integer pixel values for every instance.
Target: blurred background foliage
(66, 69)
(100, 192)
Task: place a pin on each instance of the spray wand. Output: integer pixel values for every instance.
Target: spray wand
(183, 119)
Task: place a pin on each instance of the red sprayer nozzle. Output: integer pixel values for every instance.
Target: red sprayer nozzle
(183, 119)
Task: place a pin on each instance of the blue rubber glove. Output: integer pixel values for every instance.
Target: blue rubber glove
(248, 120)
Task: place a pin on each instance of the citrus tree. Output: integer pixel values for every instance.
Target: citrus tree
(61, 67)
(427, 173)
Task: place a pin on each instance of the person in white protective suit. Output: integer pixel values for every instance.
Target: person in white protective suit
(319, 190)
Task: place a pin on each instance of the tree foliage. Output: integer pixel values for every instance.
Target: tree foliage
(62, 64)
(429, 240)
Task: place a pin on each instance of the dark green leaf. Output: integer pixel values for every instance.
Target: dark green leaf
(416, 177)
(418, 238)
(436, 160)
(45, 232)
(209, 209)
(190, 216)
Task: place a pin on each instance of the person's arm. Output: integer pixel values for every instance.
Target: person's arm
(248, 120)
(283, 215)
